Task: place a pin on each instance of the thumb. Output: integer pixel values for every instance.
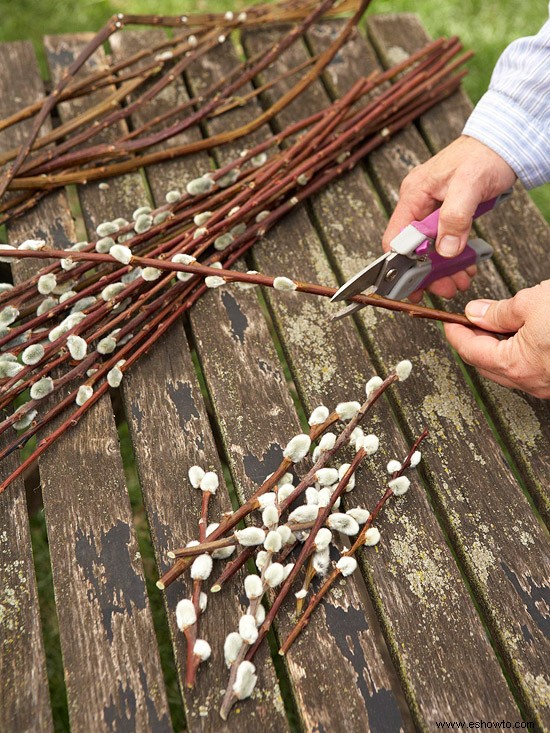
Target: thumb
(455, 217)
(501, 316)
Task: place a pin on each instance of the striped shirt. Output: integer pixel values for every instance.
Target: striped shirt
(513, 117)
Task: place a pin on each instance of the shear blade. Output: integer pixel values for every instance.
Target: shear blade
(349, 310)
(366, 280)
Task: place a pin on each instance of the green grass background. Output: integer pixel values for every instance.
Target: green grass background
(486, 26)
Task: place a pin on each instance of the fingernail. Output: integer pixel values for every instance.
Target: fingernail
(477, 308)
(448, 245)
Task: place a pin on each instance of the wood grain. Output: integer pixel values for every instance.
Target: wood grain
(170, 432)
(113, 672)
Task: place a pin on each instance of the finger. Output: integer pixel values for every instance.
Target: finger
(478, 348)
(455, 219)
(413, 205)
(416, 297)
(471, 270)
(443, 288)
(501, 316)
(462, 280)
(498, 378)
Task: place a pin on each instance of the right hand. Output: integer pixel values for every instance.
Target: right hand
(462, 175)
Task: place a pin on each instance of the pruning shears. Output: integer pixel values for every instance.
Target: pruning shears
(412, 263)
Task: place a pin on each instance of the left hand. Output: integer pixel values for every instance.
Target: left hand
(521, 361)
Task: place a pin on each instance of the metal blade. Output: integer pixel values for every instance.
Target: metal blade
(347, 311)
(366, 279)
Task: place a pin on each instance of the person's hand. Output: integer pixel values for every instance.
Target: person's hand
(462, 175)
(521, 361)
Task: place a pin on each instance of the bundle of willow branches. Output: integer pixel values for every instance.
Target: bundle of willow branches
(279, 529)
(71, 331)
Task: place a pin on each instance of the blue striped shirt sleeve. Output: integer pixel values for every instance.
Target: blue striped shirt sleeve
(513, 117)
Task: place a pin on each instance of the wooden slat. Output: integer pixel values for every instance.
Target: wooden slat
(489, 521)
(113, 674)
(23, 683)
(521, 241)
(169, 429)
(327, 646)
(401, 576)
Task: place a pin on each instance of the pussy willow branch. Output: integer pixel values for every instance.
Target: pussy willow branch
(413, 310)
(359, 542)
(245, 509)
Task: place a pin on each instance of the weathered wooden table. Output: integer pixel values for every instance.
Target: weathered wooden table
(448, 619)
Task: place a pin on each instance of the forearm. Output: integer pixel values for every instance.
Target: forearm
(513, 117)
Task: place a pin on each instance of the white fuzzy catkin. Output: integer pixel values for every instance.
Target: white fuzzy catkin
(25, 420)
(393, 466)
(184, 259)
(403, 369)
(42, 388)
(360, 515)
(121, 253)
(111, 291)
(77, 347)
(143, 223)
(262, 558)
(46, 283)
(399, 485)
(67, 295)
(250, 536)
(285, 490)
(149, 274)
(107, 345)
(35, 244)
(201, 567)
(7, 246)
(248, 629)
(347, 410)
(274, 574)
(201, 218)
(228, 180)
(161, 217)
(114, 377)
(273, 541)
(84, 393)
(202, 650)
(342, 470)
(270, 516)
(346, 565)
(223, 553)
(327, 441)
(285, 532)
(284, 283)
(8, 315)
(253, 587)
(323, 538)
(297, 447)
(32, 354)
(231, 647)
(247, 286)
(319, 415)
(258, 160)
(203, 601)
(195, 475)
(210, 482)
(321, 562)
(103, 245)
(46, 305)
(270, 497)
(372, 385)
(323, 496)
(106, 228)
(416, 458)
(201, 185)
(312, 495)
(370, 444)
(326, 476)
(304, 513)
(372, 537)
(172, 197)
(214, 281)
(185, 614)
(259, 615)
(223, 241)
(9, 369)
(82, 304)
(301, 594)
(343, 523)
(245, 681)
(67, 264)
